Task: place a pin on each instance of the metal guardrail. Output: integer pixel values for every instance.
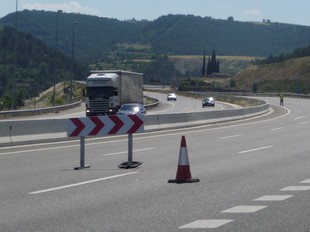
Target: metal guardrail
(54, 109)
(292, 95)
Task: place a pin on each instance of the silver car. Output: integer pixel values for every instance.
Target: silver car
(171, 96)
(131, 108)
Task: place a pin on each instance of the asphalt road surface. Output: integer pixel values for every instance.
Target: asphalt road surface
(182, 105)
(254, 176)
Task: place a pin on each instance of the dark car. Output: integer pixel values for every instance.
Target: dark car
(131, 108)
(208, 101)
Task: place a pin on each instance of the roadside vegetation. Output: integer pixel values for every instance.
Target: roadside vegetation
(29, 67)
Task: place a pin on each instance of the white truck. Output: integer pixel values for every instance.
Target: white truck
(107, 90)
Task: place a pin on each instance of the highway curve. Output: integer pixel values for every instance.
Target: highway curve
(254, 177)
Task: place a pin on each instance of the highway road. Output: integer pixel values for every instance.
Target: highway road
(254, 176)
(182, 105)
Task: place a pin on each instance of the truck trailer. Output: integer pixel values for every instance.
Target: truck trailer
(107, 90)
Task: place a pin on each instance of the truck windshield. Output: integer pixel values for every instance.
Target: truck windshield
(93, 92)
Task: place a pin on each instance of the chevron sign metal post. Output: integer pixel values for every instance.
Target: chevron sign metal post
(106, 125)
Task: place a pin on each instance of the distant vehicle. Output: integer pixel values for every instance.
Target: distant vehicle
(171, 96)
(107, 90)
(208, 101)
(131, 108)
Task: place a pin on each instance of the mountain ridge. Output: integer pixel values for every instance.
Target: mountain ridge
(169, 34)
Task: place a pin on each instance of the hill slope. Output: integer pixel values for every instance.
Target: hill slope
(172, 35)
(289, 76)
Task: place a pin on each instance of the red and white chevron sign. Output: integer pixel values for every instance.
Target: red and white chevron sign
(105, 125)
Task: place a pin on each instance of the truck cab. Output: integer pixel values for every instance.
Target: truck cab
(101, 94)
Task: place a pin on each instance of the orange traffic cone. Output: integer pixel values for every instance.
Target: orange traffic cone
(183, 173)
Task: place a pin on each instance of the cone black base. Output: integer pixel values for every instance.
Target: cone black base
(183, 181)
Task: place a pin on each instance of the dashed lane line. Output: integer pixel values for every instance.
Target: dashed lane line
(206, 224)
(273, 198)
(305, 181)
(299, 117)
(245, 209)
(278, 128)
(255, 149)
(125, 152)
(230, 136)
(296, 188)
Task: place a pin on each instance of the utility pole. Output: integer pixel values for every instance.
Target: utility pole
(72, 56)
(55, 77)
(15, 51)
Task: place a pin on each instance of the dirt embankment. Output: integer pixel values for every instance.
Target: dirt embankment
(285, 74)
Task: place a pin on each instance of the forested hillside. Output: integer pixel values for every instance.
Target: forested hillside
(96, 38)
(167, 50)
(28, 66)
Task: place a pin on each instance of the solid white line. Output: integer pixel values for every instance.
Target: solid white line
(255, 149)
(80, 183)
(40, 149)
(125, 152)
(228, 137)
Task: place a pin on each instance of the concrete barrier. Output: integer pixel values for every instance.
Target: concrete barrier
(199, 118)
(152, 122)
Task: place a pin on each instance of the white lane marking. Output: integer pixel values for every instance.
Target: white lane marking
(255, 149)
(303, 123)
(81, 183)
(305, 181)
(125, 152)
(40, 149)
(273, 198)
(278, 128)
(300, 117)
(245, 209)
(230, 136)
(296, 188)
(205, 224)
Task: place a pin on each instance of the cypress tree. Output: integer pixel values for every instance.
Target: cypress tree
(209, 68)
(213, 64)
(203, 70)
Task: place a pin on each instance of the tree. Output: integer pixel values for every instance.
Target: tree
(203, 71)
(213, 64)
(230, 19)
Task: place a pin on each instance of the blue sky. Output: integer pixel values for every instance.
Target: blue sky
(283, 11)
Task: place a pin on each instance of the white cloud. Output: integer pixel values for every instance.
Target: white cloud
(70, 7)
(253, 12)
